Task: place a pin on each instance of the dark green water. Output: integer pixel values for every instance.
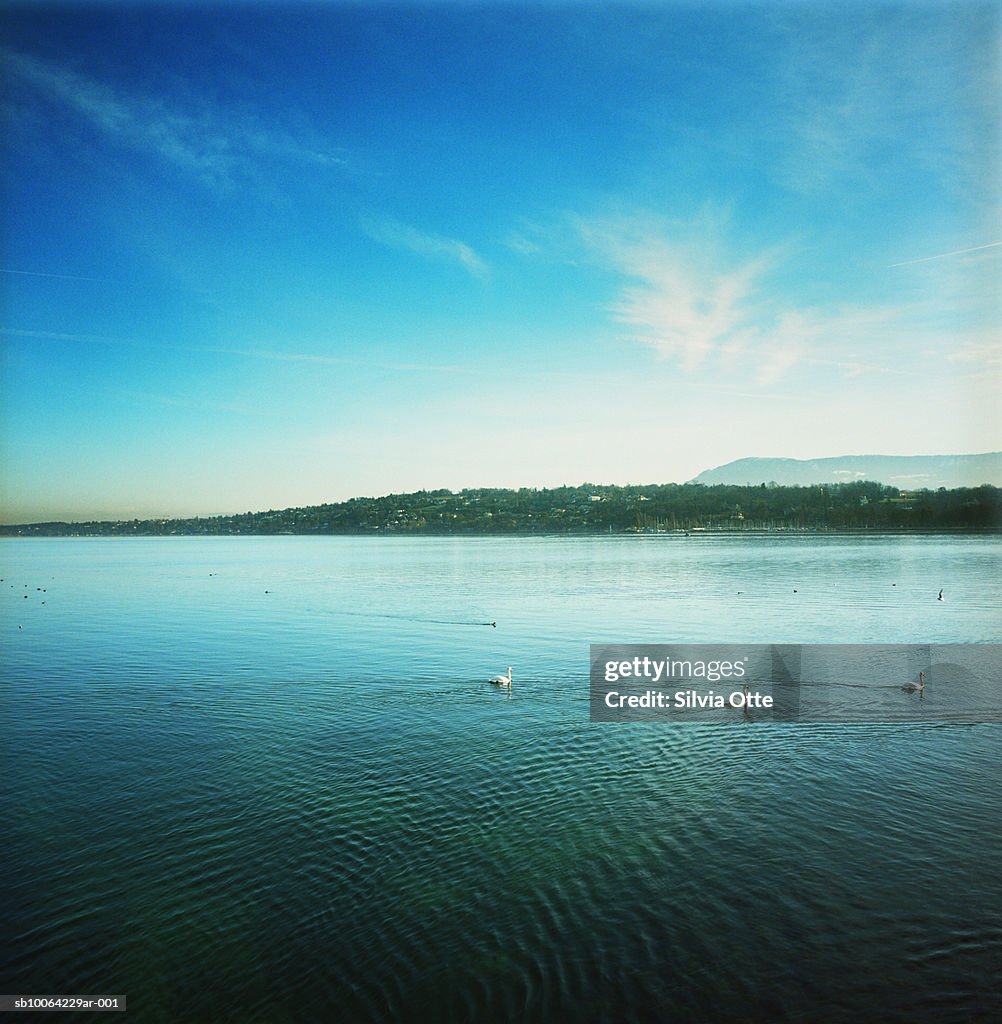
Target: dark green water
(308, 805)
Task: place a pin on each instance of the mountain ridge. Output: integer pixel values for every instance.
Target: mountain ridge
(907, 472)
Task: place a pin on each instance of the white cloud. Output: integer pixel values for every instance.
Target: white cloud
(683, 296)
(403, 236)
(682, 312)
(982, 354)
(211, 145)
(687, 302)
(521, 244)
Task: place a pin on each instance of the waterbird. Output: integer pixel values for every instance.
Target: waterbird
(501, 680)
(941, 598)
(913, 687)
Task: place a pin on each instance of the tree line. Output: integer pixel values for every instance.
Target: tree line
(590, 508)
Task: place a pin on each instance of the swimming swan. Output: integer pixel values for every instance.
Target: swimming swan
(500, 680)
(913, 687)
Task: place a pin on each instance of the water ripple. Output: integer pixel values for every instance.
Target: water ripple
(251, 808)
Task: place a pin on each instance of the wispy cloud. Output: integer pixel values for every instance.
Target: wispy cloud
(174, 401)
(268, 355)
(15, 332)
(920, 86)
(213, 145)
(684, 296)
(437, 247)
(687, 302)
(520, 243)
(981, 354)
(321, 359)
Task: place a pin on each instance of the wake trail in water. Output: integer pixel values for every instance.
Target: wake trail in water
(403, 618)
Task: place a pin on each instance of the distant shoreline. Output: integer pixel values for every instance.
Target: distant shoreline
(5, 534)
(654, 509)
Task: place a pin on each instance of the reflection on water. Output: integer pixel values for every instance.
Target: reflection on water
(266, 779)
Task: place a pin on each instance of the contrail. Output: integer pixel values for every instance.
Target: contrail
(943, 255)
(63, 277)
(55, 336)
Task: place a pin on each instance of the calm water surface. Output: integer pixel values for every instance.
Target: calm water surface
(259, 779)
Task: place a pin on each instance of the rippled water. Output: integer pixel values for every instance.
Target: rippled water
(260, 779)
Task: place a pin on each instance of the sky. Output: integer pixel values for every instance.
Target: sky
(254, 257)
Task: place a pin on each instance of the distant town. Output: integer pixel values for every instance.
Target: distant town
(590, 508)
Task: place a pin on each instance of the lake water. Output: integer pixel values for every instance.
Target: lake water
(264, 779)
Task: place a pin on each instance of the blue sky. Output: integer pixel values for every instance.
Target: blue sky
(260, 257)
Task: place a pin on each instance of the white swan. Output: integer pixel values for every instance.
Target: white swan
(500, 680)
(912, 687)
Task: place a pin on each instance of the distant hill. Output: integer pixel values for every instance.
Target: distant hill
(907, 472)
(590, 508)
